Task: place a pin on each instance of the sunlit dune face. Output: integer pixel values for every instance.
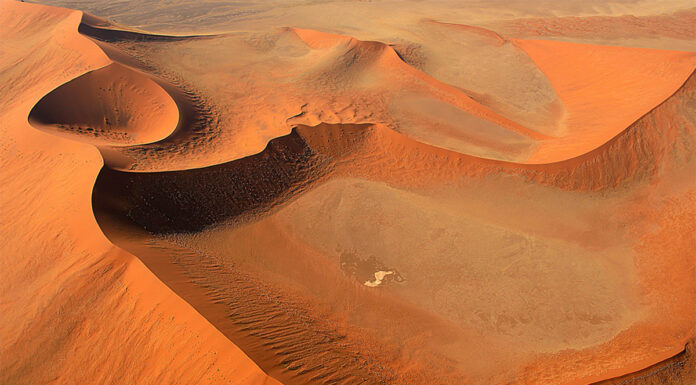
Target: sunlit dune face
(113, 105)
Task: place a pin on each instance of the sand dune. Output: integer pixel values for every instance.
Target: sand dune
(347, 194)
(338, 151)
(110, 106)
(76, 308)
(490, 69)
(619, 96)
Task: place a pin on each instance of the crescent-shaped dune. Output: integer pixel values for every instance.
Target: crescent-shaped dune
(331, 193)
(111, 320)
(603, 89)
(112, 105)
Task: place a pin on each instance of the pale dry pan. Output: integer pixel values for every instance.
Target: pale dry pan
(348, 193)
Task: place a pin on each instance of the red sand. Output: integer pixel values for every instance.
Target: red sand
(438, 204)
(76, 308)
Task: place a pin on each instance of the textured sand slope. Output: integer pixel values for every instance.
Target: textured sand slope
(242, 192)
(75, 308)
(603, 89)
(360, 78)
(486, 66)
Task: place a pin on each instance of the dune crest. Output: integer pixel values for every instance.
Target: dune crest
(76, 308)
(604, 89)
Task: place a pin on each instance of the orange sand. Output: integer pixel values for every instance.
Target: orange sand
(347, 193)
(76, 308)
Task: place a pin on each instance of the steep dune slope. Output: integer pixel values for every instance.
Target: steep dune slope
(112, 105)
(604, 89)
(335, 79)
(487, 67)
(76, 308)
(346, 181)
(325, 78)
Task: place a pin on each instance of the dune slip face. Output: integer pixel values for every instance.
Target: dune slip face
(396, 192)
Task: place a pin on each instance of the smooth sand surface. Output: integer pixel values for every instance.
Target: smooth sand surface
(323, 192)
(113, 104)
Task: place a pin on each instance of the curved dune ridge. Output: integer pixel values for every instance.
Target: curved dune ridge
(302, 207)
(459, 123)
(149, 204)
(112, 105)
(604, 89)
(110, 319)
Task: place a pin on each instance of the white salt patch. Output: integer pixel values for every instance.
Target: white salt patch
(379, 277)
